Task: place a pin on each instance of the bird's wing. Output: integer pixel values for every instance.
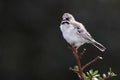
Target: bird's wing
(81, 31)
(87, 36)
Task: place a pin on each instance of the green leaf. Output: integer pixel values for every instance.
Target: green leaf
(91, 71)
(109, 73)
(97, 75)
(100, 78)
(85, 76)
(76, 68)
(95, 72)
(94, 78)
(104, 76)
(88, 74)
(113, 74)
(110, 69)
(94, 75)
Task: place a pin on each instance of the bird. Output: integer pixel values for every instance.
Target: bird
(76, 34)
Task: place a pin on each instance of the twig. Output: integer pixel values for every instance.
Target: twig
(80, 72)
(81, 69)
(94, 60)
(81, 53)
(71, 69)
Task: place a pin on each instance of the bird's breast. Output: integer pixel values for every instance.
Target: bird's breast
(71, 36)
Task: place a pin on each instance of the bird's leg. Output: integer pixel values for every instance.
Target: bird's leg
(75, 50)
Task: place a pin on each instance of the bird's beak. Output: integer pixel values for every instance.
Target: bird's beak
(64, 19)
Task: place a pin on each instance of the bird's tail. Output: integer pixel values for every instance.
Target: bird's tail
(99, 46)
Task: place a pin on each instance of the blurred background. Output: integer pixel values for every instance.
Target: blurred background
(32, 46)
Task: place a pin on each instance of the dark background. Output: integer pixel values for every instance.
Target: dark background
(31, 44)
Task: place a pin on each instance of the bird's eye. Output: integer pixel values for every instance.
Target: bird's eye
(67, 18)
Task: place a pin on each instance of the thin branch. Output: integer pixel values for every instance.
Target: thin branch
(80, 73)
(81, 53)
(89, 63)
(80, 69)
(71, 69)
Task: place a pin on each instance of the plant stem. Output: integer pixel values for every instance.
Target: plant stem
(80, 75)
(89, 63)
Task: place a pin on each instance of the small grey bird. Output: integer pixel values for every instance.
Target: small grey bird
(75, 33)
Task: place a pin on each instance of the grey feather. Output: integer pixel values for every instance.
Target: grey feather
(75, 33)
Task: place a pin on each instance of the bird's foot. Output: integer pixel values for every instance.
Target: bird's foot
(74, 49)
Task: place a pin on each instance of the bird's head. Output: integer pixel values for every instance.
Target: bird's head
(67, 17)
